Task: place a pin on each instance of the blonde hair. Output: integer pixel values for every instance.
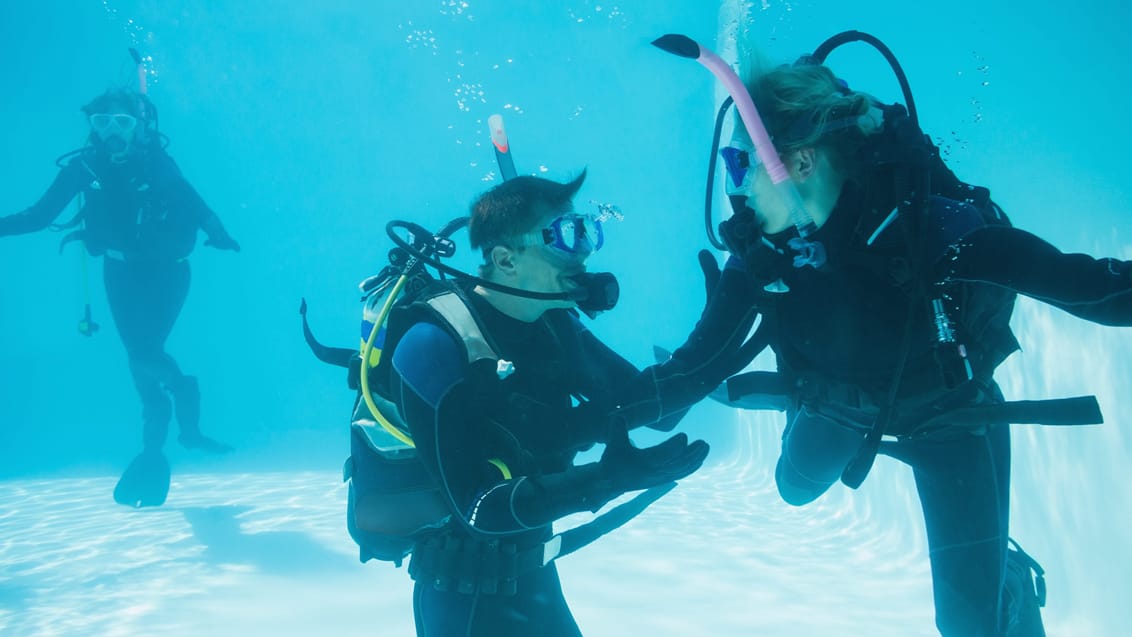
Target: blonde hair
(805, 105)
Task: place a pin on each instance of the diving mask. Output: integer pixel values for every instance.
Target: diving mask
(741, 163)
(108, 124)
(572, 236)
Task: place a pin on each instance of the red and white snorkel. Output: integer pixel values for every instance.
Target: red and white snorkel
(141, 70)
(143, 87)
(502, 146)
(147, 114)
(810, 252)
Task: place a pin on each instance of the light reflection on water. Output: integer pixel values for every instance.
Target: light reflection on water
(720, 555)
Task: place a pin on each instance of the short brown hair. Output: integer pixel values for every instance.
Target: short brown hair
(512, 208)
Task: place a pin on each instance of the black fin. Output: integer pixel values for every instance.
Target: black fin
(145, 483)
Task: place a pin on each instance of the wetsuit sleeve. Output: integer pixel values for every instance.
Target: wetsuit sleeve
(194, 205)
(1098, 290)
(660, 395)
(613, 384)
(478, 464)
(71, 179)
(212, 226)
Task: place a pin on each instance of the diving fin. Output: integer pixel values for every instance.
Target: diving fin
(145, 482)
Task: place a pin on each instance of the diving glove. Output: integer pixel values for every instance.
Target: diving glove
(540, 499)
(624, 467)
(710, 267)
(223, 242)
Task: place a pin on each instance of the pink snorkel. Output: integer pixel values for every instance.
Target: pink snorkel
(810, 253)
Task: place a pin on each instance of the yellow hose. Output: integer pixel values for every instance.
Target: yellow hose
(366, 351)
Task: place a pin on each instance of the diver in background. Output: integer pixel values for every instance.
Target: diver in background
(140, 214)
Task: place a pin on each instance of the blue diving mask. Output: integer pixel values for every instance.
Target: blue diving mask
(741, 163)
(572, 236)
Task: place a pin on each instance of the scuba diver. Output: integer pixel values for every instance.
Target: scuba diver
(139, 213)
(886, 287)
(477, 393)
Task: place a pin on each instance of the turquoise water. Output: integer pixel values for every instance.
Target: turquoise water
(308, 127)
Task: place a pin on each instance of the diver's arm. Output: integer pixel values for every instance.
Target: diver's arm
(1098, 290)
(190, 199)
(660, 395)
(490, 489)
(539, 500)
(68, 183)
(501, 499)
(481, 468)
(605, 376)
(218, 237)
(432, 392)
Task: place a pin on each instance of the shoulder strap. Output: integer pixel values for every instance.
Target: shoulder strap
(453, 308)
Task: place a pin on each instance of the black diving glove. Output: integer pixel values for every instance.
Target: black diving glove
(539, 500)
(743, 236)
(223, 242)
(624, 467)
(715, 349)
(710, 267)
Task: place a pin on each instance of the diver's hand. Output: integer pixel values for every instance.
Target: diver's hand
(223, 242)
(710, 268)
(743, 236)
(628, 468)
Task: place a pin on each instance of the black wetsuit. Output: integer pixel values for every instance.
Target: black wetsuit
(502, 446)
(143, 217)
(839, 333)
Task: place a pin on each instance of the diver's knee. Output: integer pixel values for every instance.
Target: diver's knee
(795, 496)
(794, 489)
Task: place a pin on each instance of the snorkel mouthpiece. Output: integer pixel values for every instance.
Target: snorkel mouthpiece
(597, 292)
